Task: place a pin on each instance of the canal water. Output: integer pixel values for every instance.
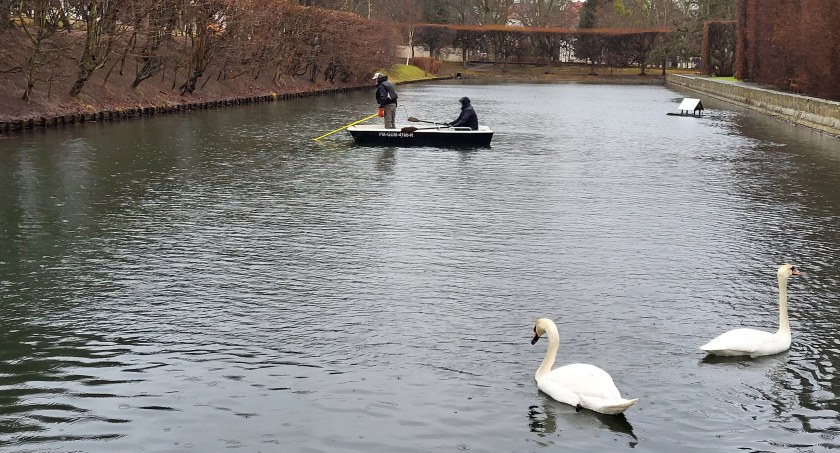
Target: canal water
(219, 281)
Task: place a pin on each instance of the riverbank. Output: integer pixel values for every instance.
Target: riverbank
(114, 100)
(113, 103)
(815, 113)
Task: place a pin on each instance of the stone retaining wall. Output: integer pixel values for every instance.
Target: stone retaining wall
(815, 113)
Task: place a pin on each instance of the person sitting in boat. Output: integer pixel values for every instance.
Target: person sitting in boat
(386, 96)
(467, 118)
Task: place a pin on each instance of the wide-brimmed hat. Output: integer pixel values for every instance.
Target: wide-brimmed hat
(378, 75)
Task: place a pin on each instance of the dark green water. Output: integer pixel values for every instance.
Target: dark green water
(219, 280)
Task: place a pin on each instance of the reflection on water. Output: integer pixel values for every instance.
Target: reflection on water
(220, 280)
(543, 420)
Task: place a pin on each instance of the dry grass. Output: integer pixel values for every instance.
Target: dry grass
(406, 73)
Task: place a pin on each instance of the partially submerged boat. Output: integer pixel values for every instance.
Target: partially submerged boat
(439, 135)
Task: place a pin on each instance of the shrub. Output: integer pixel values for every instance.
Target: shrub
(427, 64)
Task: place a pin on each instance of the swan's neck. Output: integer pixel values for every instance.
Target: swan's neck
(550, 354)
(784, 324)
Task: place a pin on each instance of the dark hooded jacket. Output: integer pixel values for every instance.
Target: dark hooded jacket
(467, 118)
(385, 92)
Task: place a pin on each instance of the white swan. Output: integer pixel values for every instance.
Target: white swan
(580, 384)
(752, 342)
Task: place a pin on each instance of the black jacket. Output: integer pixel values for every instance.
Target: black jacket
(385, 92)
(467, 118)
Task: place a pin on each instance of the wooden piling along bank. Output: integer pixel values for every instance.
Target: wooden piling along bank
(43, 122)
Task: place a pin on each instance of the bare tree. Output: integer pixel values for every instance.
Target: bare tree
(631, 47)
(39, 21)
(435, 37)
(464, 12)
(153, 23)
(688, 19)
(204, 25)
(408, 13)
(6, 8)
(544, 14)
(590, 46)
(718, 52)
(299, 43)
(99, 20)
(496, 12)
(468, 40)
(637, 27)
(540, 13)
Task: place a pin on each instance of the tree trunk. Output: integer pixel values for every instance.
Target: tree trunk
(31, 71)
(410, 45)
(95, 52)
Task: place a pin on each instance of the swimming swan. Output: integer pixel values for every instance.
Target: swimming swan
(580, 384)
(753, 342)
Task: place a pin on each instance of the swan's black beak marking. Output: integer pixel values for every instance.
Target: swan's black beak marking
(536, 337)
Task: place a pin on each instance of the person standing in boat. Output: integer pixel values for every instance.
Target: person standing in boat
(468, 117)
(386, 96)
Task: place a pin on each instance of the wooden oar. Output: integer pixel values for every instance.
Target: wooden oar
(345, 127)
(415, 120)
(410, 129)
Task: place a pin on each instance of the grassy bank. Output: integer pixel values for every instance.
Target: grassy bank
(401, 73)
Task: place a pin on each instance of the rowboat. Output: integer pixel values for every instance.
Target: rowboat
(439, 135)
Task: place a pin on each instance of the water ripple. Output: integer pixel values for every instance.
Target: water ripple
(222, 281)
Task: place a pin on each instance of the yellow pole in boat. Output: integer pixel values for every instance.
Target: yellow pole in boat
(345, 127)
